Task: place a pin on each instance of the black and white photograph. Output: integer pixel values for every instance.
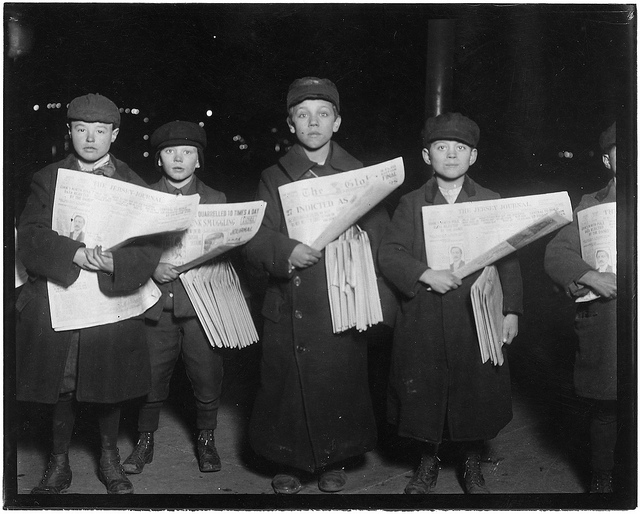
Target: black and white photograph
(349, 368)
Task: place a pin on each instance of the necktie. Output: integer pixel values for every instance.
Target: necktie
(177, 192)
(108, 170)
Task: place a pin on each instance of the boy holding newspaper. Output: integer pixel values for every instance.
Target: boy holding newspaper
(440, 389)
(595, 372)
(173, 328)
(313, 410)
(106, 364)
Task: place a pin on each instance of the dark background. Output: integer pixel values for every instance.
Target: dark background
(538, 79)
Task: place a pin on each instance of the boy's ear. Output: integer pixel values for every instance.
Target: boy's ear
(114, 134)
(336, 124)
(197, 163)
(425, 155)
(606, 160)
(473, 156)
(292, 129)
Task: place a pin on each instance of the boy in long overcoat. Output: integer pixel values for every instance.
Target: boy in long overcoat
(439, 385)
(595, 372)
(105, 364)
(313, 409)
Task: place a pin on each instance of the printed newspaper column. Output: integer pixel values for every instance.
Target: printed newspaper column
(597, 228)
(317, 211)
(113, 213)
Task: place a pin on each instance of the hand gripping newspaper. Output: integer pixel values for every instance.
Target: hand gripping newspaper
(212, 283)
(467, 237)
(322, 213)
(114, 214)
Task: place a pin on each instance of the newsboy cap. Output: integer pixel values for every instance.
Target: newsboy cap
(451, 126)
(180, 133)
(312, 88)
(608, 138)
(94, 108)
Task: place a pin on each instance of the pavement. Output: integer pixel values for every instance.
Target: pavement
(538, 461)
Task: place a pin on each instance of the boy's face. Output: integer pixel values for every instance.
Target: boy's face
(450, 159)
(179, 162)
(92, 141)
(610, 159)
(313, 122)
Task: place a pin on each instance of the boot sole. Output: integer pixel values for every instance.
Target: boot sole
(52, 490)
(103, 479)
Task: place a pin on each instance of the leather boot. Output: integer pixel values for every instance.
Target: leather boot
(57, 476)
(425, 478)
(112, 475)
(142, 454)
(473, 479)
(208, 458)
(601, 482)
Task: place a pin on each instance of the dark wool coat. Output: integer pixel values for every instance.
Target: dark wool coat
(437, 376)
(113, 360)
(174, 293)
(313, 407)
(595, 371)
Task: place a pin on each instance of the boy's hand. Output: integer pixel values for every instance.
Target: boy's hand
(604, 284)
(509, 328)
(165, 272)
(441, 281)
(304, 256)
(94, 259)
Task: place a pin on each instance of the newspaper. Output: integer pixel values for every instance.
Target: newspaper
(317, 211)
(466, 237)
(487, 300)
(597, 228)
(102, 211)
(214, 290)
(216, 229)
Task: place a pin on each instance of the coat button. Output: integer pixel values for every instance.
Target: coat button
(298, 314)
(170, 295)
(300, 349)
(297, 280)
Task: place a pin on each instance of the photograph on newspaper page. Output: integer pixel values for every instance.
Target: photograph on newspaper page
(597, 229)
(318, 210)
(466, 237)
(107, 212)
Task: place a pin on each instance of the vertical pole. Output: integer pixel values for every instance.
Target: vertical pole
(439, 83)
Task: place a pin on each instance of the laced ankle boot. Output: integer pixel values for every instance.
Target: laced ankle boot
(57, 476)
(142, 454)
(208, 458)
(112, 475)
(426, 476)
(473, 479)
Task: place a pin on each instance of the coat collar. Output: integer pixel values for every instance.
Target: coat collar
(607, 192)
(296, 163)
(433, 194)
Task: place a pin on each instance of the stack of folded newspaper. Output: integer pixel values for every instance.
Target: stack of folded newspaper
(351, 281)
(486, 298)
(214, 291)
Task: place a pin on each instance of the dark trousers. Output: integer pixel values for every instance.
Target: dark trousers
(169, 338)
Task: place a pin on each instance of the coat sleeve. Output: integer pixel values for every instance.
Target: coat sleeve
(563, 260)
(511, 279)
(270, 249)
(133, 266)
(396, 254)
(42, 251)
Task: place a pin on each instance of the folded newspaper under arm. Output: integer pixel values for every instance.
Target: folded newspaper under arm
(321, 213)
(466, 237)
(487, 302)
